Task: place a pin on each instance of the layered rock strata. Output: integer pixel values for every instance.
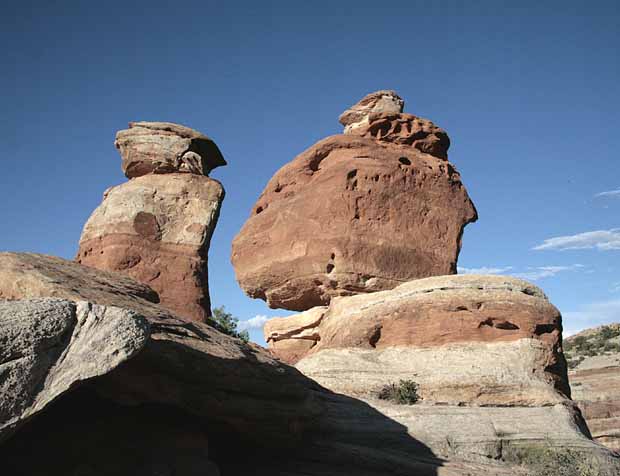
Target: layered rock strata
(189, 366)
(157, 227)
(485, 352)
(595, 381)
(355, 213)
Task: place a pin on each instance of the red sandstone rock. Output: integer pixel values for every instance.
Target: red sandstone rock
(157, 229)
(351, 215)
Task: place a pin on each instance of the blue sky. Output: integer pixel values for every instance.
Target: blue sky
(528, 93)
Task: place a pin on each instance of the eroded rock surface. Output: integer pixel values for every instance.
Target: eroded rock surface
(351, 215)
(485, 352)
(49, 346)
(164, 147)
(157, 229)
(595, 380)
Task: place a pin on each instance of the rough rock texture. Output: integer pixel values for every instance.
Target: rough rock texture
(484, 350)
(157, 229)
(48, 346)
(595, 384)
(351, 215)
(33, 275)
(187, 365)
(384, 101)
(499, 334)
(163, 147)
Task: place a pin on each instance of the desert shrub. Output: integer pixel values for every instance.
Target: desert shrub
(554, 461)
(405, 392)
(611, 347)
(607, 333)
(227, 323)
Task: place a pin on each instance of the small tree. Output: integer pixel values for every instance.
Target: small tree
(227, 323)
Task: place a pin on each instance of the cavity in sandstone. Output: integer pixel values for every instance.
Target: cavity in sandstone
(356, 213)
(157, 227)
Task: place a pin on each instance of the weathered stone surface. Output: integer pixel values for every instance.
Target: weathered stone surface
(406, 129)
(484, 350)
(351, 215)
(237, 388)
(499, 334)
(595, 382)
(164, 147)
(49, 346)
(33, 275)
(384, 101)
(157, 229)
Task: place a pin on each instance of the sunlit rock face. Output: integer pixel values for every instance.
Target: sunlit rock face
(157, 227)
(356, 213)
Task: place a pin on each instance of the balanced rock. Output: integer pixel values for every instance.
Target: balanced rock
(164, 147)
(354, 214)
(384, 101)
(157, 227)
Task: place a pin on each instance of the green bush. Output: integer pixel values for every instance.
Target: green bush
(404, 392)
(227, 323)
(553, 461)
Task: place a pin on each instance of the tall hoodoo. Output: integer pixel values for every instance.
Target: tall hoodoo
(157, 227)
(359, 212)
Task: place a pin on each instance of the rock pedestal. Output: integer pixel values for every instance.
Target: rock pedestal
(157, 227)
(356, 213)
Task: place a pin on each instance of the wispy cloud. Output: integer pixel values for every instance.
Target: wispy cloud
(615, 287)
(600, 239)
(256, 322)
(530, 273)
(590, 315)
(609, 194)
(540, 272)
(484, 270)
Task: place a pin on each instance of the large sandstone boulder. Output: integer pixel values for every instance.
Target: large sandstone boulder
(51, 345)
(157, 229)
(355, 213)
(499, 334)
(485, 352)
(163, 147)
(594, 355)
(188, 366)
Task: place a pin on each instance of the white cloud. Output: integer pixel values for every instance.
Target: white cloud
(257, 322)
(531, 273)
(540, 272)
(591, 315)
(610, 194)
(484, 270)
(600, 239)
(615, 287)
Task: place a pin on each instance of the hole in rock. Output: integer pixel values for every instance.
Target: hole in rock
(404, 161)
(544, 329)
(351, 174)
(330, 267)
(333, 256)
(258, 210)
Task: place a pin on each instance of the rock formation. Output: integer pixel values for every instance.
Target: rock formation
(356, 213)
(157, 227)
(151, 394)
(139, 355)
(485, 352)
(594, 355)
